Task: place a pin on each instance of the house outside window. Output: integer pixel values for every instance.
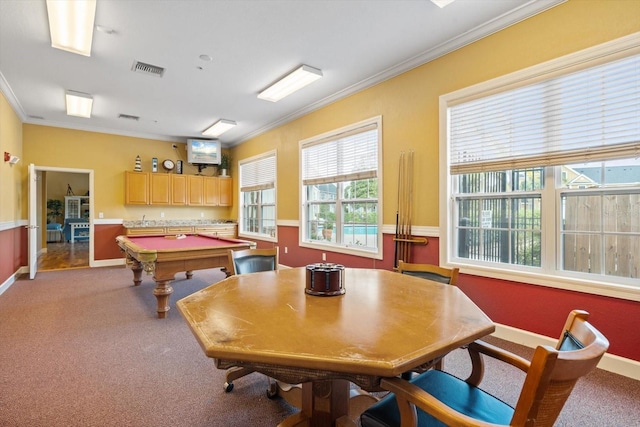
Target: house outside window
(341, 209)
(543, 175)
(258, 197)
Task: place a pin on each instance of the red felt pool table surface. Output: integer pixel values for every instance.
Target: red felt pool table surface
(164, 256)
(193, 241)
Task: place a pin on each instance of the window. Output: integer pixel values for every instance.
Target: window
(258, 197)
(542, 171)
(341, 206)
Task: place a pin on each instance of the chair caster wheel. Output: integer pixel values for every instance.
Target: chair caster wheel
(272, 391)
(228, 387)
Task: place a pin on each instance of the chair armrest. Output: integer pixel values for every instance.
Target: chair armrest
(480, 347)
(409, 396)
(500, 354)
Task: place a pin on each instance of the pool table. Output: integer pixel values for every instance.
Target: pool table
(164, 256)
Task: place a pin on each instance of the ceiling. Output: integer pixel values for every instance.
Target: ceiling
(356, 44)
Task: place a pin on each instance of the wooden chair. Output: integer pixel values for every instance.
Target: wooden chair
(430, 272)
(550, 377)
(243, 262)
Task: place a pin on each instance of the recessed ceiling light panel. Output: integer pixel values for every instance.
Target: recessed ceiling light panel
(219, 127)
(78, 104)
(292, 82)
(71, 25)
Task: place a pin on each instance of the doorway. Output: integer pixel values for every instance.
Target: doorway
(63, 220)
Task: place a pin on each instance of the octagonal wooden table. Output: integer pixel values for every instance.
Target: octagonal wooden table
(385, 324)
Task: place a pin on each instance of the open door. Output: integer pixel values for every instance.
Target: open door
(33, 222)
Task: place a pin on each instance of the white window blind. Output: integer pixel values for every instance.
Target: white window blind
(589, 115)
(258, 174)
(351, 155)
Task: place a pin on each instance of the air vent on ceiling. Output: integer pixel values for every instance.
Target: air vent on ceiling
(128, 117)
(36, 117)
(152, 70)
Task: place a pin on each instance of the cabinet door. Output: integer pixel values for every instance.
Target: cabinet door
(136, 188)
(194, 190)
(211, 194)
(160, 189)
(226, 191)
(178, 189)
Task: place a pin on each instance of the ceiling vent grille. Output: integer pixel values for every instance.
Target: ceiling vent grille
(152, 70)
(128, 117)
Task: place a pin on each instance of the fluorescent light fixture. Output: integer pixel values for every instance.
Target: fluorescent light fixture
(71, 24)
(219, 127)
(441, 3)
(78, 104)
(292, 82)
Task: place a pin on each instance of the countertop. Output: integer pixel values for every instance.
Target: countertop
(176, 223)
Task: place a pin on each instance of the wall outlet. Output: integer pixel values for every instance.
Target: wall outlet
(324, 256)
(201, 214)
(286, 250)
(100, 215)
(161, 214)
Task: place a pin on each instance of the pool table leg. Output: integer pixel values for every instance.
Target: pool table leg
(189, 274)
(136, 267)
(162, 292)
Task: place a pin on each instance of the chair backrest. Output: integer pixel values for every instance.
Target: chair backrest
(554, 371)
(253, 260)
(430, 272)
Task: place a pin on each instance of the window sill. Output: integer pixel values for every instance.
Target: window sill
(342, 250)
(256, 236)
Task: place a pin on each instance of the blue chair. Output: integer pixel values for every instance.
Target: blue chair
(436, 398)
(54, 232)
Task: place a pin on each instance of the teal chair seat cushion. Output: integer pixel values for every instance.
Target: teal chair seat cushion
(451, 391)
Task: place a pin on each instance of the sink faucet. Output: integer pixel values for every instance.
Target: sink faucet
(144, 223)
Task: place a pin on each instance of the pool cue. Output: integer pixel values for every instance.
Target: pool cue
(410, 202)
(401, 213)
(405, 201)
(395, 255)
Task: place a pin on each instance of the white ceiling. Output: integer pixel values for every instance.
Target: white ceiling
(356, 43)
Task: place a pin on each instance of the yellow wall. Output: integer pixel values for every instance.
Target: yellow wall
(11, 194)
(109, 156)
(408, 103)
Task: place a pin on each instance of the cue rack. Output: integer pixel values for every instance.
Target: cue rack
(403, 239)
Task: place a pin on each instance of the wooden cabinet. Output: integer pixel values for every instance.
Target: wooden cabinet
(195, 187)
(144, 188)
(159, 189)
(211, 191)
(223, 230)
(226, 191)
(220, 230)
(136, 188)
(179, 190)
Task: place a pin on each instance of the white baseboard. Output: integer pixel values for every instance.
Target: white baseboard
(11, 279)
(7, 283)
(610, 362)
(108, 262)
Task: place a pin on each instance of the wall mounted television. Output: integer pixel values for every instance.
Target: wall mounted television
(203, 152)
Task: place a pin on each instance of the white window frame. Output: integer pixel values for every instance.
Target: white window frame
(551, 277)
(263, 186)
(330, 247)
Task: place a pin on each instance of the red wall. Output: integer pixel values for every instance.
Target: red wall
(532, 308)
(104, 243)
(539, 309)
(13, 251)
